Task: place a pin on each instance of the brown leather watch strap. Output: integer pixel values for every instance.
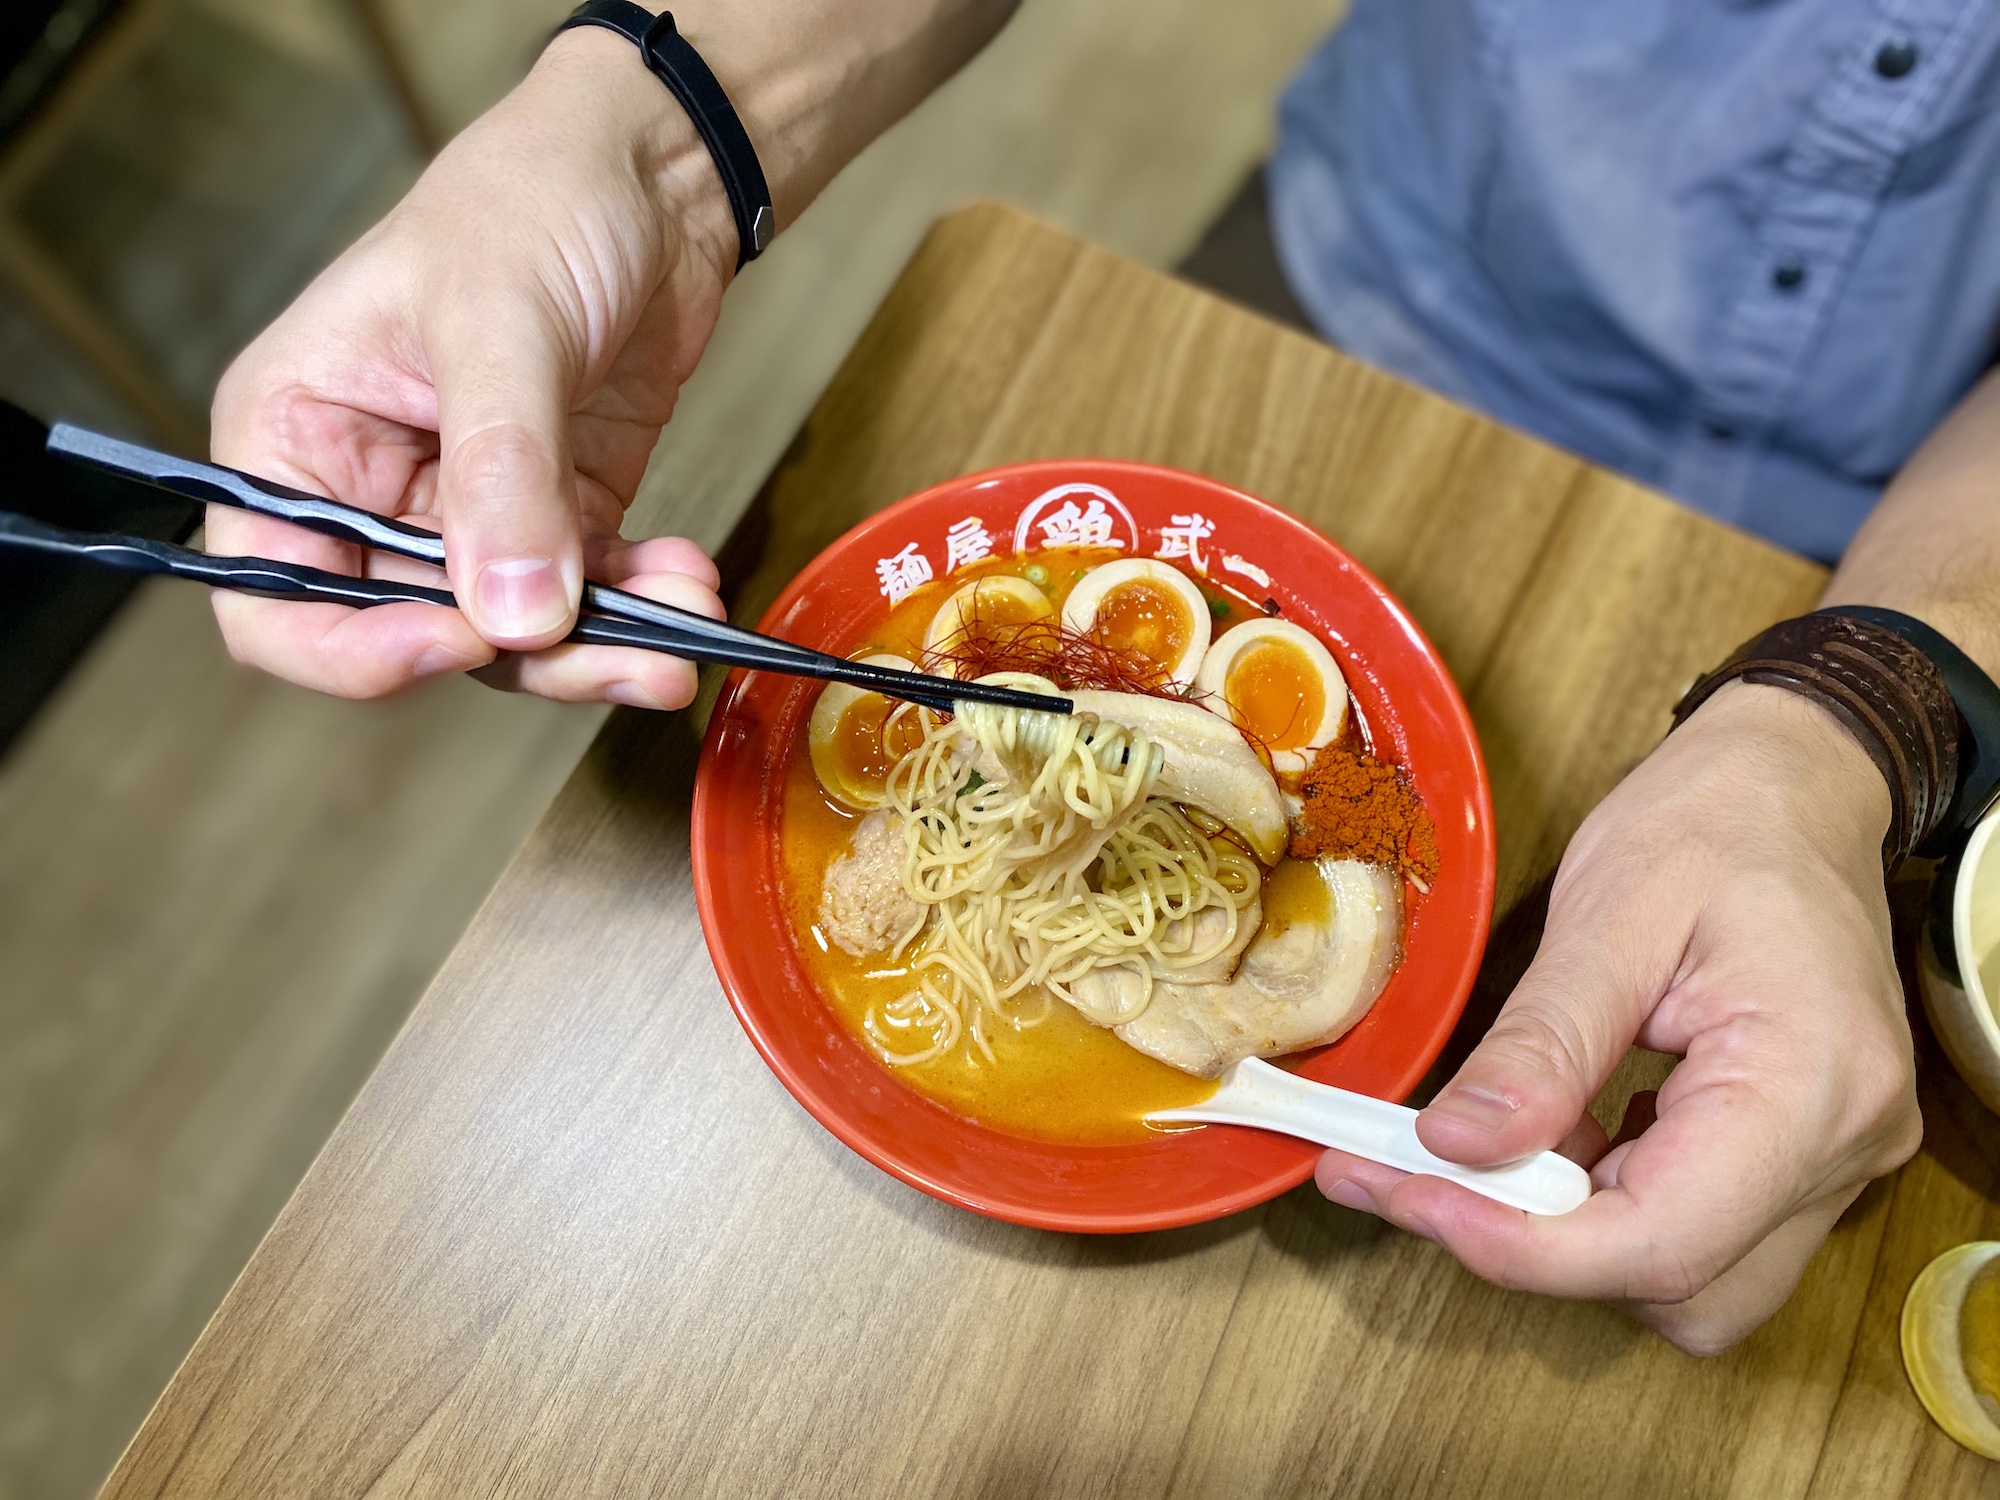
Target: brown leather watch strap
(1886, 692)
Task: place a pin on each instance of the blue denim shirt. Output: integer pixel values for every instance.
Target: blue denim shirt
(1747, 251)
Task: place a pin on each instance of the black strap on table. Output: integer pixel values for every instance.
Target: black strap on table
(675, 63)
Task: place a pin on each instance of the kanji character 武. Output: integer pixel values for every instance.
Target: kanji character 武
(1184, 538)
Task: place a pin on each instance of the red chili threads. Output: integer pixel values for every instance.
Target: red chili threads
(1070, 659)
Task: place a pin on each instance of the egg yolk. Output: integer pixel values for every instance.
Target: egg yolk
(863, 754)
(991, 607)
(1146, 618)
(1979, 1336)
(1276, 694)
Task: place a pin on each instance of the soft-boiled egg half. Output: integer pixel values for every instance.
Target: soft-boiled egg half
(985, 604)
(1279, 685)
(853, 741)
(1144, 606)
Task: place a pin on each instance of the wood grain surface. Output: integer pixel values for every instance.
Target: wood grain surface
(574, 1240)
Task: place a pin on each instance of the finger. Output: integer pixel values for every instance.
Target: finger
(1751, 1290)
(228, 532)
(506, 484)
(234, 533)
(1715, 1316)
(1714, 1176)
(350, 653)
(1567, 1025)
(621, 561)
(1640, 1113)
(1641, 1110)
(616, 674)
(598, 674)
(1358, 1183)
(1354, 1181)
(329, 647)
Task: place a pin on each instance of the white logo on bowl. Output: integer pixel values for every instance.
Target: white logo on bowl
(1070, 515)
(1090, 524)
(1184, 538)
(1231, 563)
(965, 543)
(903, 574)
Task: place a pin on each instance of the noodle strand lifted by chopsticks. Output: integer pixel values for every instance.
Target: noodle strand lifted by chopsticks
(1038, 856)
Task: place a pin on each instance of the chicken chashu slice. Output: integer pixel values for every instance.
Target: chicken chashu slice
(1314, 968)
(1208, 765)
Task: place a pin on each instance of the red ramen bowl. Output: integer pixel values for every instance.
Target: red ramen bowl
(1398, 683)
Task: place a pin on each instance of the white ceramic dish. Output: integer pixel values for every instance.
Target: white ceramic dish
(1961, 1008)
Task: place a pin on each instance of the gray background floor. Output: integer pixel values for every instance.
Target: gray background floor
(219, 896)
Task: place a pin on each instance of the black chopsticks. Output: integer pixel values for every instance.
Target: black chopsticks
(609, 617)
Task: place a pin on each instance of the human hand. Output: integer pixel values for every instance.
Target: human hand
(1724, 904)
(495, 359)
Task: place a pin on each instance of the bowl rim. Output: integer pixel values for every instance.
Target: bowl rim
(819, 1102)
(1970, 983)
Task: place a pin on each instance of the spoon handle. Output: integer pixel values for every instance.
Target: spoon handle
(1256, 1094)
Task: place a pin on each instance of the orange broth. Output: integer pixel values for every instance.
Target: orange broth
(1294, 893)
(1064, 1080)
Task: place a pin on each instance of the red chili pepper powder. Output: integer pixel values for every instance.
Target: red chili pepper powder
(1358, 807)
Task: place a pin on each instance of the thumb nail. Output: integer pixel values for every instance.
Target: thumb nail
(521, 596)
(1476, 1108)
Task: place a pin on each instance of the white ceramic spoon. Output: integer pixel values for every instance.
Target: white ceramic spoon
(1255, 1093)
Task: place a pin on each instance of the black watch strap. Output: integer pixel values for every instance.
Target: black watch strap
(676, 64)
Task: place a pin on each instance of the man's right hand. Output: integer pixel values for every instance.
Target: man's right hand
(495, 360)
(497, 357)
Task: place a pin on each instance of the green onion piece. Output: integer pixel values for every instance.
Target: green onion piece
(1036, 574)
(1219, 608)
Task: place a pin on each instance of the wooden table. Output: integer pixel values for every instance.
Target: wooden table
(573, 1239)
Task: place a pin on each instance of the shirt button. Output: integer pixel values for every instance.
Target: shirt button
(1897, 57)
(1789, 274)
